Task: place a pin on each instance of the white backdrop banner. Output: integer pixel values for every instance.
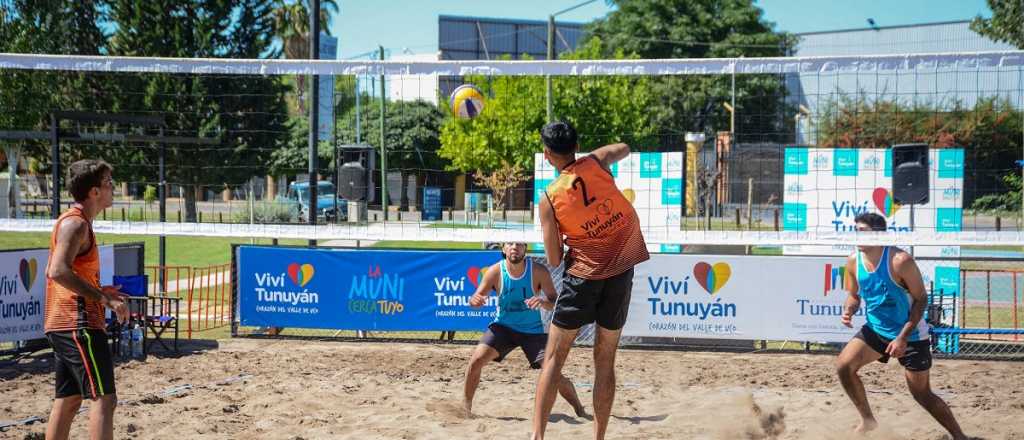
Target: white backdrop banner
(740, 297)
(652, 182)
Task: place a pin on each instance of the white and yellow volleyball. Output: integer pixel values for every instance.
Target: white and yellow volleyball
(466, 101)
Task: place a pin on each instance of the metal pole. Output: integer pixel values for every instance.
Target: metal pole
(551, 54)
(336, 166)
(547, 78)
(359, 119)
(732, 114)
(162, 190)
(314, 111)
(911, 226)
(383, 147)
(1016, 323)
(55, 166)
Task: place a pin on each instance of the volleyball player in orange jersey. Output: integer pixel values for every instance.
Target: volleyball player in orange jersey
(73, 317)
(602, 231)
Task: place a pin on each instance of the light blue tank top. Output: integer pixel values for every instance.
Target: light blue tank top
(887, 304)
(512, 309)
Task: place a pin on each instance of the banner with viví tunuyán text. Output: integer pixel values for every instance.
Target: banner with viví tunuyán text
(826, 188)
(22, 294)
(23, 290)
(740, 297)
(362, 289)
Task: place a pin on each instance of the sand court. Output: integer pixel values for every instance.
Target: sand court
(291, 389)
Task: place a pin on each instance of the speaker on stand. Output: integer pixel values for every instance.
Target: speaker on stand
(910, 177)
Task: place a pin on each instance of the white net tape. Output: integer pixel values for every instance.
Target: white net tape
(704, 66)
(421, 231)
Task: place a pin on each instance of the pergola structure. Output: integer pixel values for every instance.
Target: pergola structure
(56, 135)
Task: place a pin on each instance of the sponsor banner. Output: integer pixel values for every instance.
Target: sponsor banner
(22, 294)
(825, 188)
(23, 290)
(362, 289)
(740, 297)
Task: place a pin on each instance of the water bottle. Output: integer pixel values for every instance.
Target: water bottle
(123, 341)
(137, 341)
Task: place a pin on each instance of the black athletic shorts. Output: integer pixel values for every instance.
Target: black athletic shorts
(83, 363)
(504, 340)
(918, 356)
(584, 301)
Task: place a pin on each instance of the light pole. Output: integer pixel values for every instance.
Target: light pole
(551, 54)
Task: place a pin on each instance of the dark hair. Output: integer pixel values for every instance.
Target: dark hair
(875, 221)
(560, 137)
(85, 175)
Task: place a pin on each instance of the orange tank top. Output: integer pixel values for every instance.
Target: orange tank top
(66, 310)
(600, 225)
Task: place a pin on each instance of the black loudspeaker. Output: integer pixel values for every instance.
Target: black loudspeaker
(352, 181)
(356, 174)
(910, 174)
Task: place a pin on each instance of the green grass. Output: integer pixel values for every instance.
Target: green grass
(181, 251)
(1002, 316)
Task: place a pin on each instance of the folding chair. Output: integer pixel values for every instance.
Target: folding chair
(161, 312)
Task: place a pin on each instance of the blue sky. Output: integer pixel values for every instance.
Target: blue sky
(397, 24)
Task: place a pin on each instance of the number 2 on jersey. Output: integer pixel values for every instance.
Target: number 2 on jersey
(583, 188)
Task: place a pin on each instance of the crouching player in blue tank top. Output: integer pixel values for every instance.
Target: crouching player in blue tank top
(889, 284)
(523, 289)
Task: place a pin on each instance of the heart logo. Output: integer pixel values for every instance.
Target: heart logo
(884, 203)
(300, 275)
(475, 275)
(27, 270)
(629, 194)
(605, 208)
(712, 278)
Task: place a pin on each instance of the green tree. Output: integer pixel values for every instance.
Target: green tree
(703, 29)
(293, 155)
(247, 113)
(989, 132)
(604, 109)
(291, 28)
(1006, 24)
(47, 27)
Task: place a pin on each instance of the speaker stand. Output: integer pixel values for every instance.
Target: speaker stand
(912, 227)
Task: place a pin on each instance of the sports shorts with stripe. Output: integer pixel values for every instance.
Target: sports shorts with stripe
(83, 363)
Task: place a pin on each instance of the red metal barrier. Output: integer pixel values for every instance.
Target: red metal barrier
(1015, 323)
(1001, 304)
(206, 291)
(208, 299)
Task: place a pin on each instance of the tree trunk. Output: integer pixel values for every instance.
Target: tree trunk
(421, 181)
(44, 190)
(190, 203)
(271, 192)
(404, 201)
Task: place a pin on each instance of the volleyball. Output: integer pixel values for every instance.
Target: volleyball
(466, 101)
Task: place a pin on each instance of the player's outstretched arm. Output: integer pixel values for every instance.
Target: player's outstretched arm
(489, 284)
(610, 154)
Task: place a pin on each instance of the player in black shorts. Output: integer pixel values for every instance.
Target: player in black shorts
(889, 284)
(523, 288)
